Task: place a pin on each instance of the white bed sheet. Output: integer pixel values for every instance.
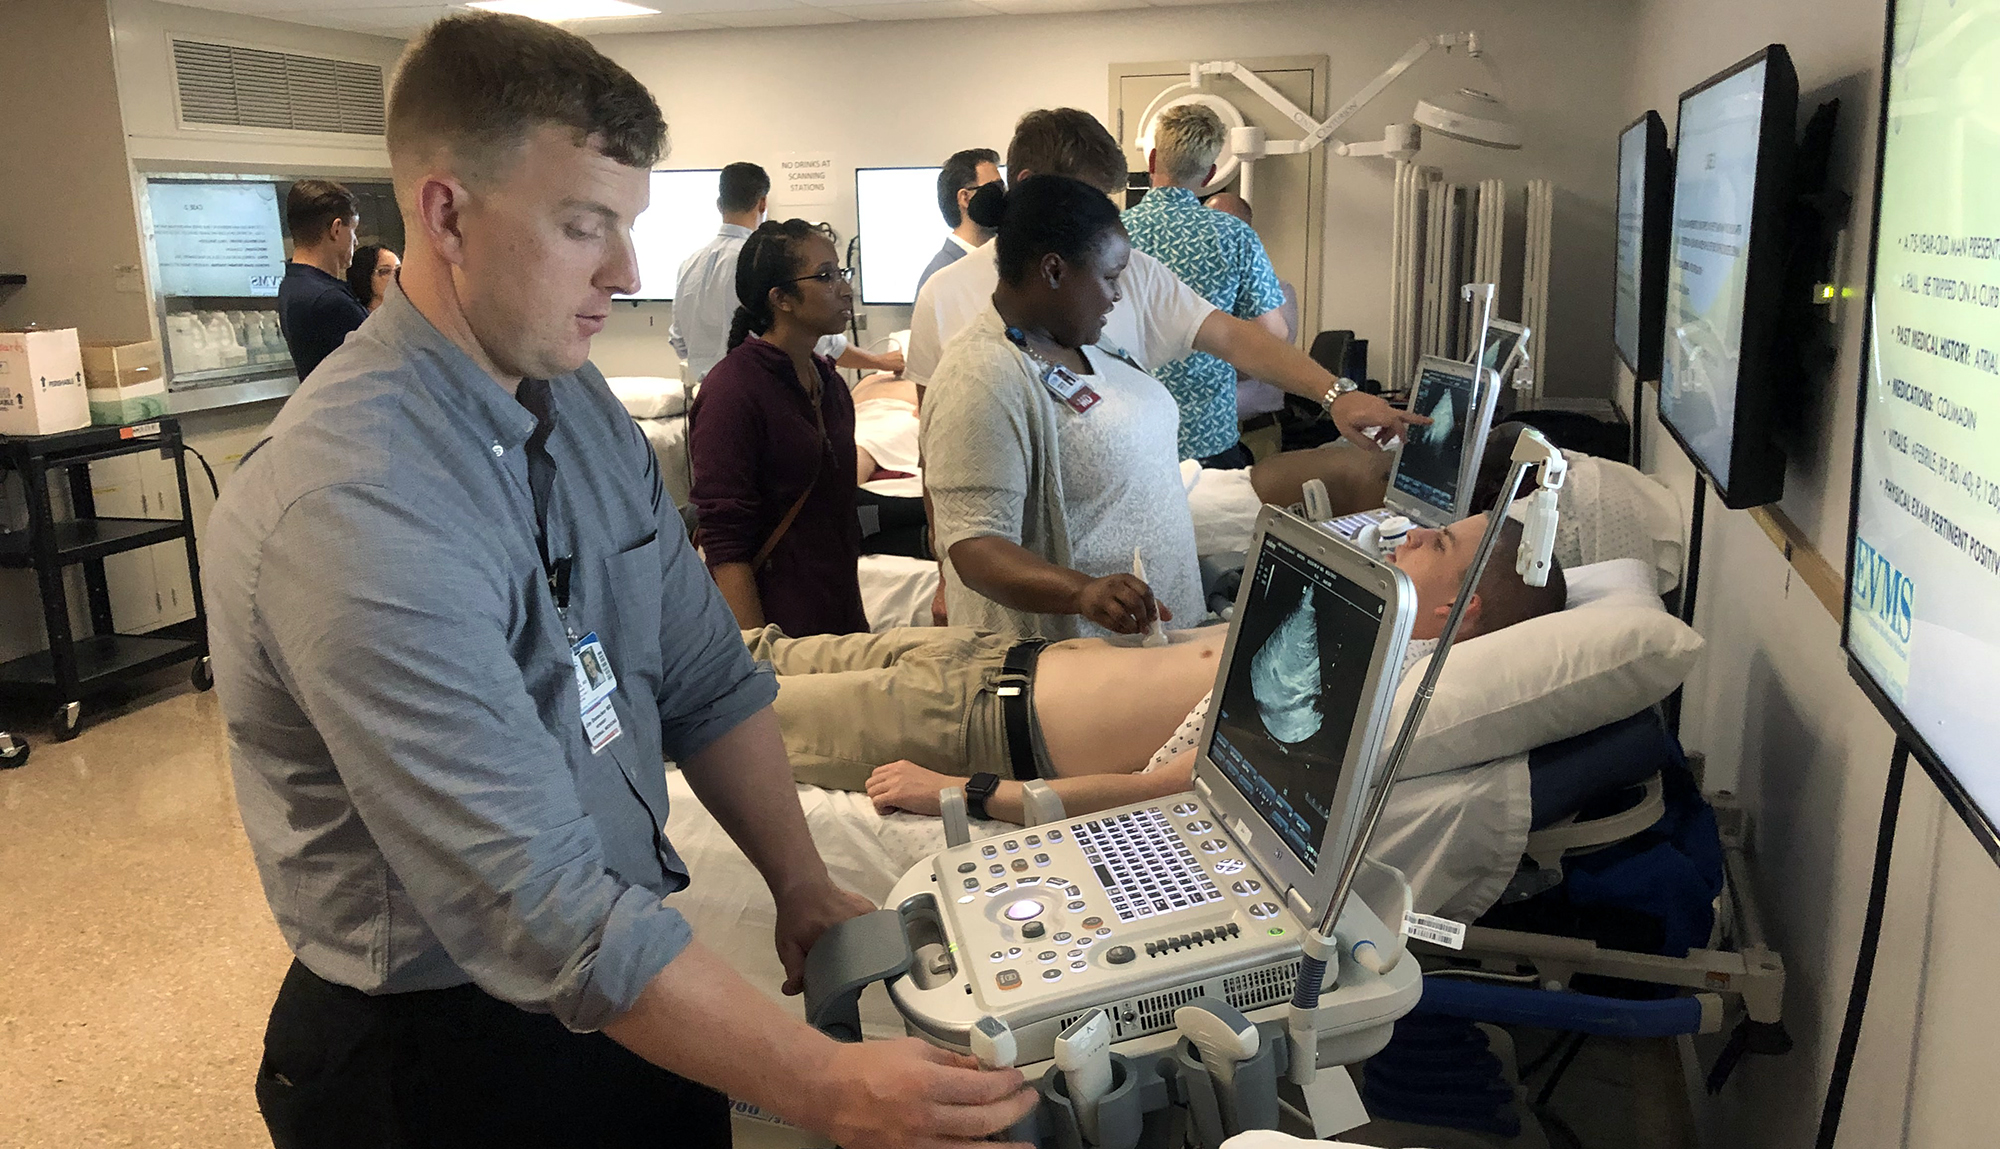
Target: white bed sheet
(897, 591)
(669, 439)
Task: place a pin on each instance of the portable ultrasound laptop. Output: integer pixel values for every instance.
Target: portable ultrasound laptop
(1506, 344)
(1143, 908)
(1432, 479)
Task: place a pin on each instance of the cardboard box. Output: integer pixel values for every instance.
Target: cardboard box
(122, 364)
(41, 383)
(117, 406)
(125, 381)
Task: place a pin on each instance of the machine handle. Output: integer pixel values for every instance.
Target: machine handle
(1040, 804)
(957, 823)
(847, 959)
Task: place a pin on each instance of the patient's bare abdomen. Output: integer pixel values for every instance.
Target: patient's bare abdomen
(1284, 675)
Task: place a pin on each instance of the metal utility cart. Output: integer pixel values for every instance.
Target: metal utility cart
(77, 666)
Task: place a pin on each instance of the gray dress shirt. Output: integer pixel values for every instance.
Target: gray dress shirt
(402, 712)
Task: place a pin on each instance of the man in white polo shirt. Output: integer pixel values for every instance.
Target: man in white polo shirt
(705, 292)
(1159, 320)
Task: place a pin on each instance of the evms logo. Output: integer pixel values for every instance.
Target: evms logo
(1885, 593)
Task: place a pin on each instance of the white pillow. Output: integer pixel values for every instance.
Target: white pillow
(1549, 678)
(1627, 582)
(649, 396)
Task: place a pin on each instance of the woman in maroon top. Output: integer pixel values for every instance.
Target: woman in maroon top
(773, 443)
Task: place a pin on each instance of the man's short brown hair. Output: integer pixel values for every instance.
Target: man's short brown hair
(1067, 142)
(312, 206)
(1505, 598)
(476, 84)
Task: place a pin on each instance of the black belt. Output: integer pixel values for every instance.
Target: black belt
(1015, 686)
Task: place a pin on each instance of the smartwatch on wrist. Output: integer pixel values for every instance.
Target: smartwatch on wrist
(978, 789)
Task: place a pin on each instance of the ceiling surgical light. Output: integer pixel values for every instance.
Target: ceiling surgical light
(1469, 114)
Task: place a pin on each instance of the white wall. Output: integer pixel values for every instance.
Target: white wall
(1780, 721)
(912, 93)
(66, 214)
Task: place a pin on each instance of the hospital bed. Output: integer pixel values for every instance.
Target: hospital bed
(1458, 826)
(659, 405)
(1468, 832)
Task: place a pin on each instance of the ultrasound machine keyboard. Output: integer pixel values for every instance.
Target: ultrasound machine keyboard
(1349, 526)
(1144, 866)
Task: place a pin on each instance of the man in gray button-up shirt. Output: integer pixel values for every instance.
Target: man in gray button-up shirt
(463, 846)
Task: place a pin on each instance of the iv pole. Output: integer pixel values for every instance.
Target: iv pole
(1322, 947)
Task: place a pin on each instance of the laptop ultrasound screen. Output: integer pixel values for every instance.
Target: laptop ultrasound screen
(1431, 458)
(1305, 638)
(1500, 345)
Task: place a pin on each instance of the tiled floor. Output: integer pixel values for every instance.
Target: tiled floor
(137, 957)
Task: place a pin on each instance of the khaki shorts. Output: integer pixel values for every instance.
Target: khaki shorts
(848, 703)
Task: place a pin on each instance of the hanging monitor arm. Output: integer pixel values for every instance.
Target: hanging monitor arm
(1399, 141)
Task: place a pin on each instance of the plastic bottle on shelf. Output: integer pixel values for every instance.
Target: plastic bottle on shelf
(229, 352)
(246, 337)
(275, 350)
(197, 350)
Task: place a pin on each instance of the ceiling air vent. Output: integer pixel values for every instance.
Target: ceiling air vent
(222, 85)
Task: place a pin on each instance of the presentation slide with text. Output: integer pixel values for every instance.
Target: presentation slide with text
(1924, 612)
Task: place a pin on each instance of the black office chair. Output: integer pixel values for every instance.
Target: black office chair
(1343, 355)
(1302, 423)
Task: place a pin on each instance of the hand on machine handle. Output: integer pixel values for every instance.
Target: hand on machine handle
(1120, 603)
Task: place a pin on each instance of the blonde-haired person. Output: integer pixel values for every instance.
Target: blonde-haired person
(1217, 255)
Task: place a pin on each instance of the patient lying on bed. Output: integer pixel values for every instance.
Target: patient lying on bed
(931, 702)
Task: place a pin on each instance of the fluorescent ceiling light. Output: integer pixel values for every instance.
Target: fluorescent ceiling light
(559, 11)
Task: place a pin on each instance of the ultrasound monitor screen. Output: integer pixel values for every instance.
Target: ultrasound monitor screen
(681, 218)
(1499, 350)
(1434, 453)
(1306, 636)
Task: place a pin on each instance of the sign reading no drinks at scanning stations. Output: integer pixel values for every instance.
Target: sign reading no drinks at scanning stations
(805, 178)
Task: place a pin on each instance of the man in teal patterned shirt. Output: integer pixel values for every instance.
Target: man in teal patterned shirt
(1218, 256)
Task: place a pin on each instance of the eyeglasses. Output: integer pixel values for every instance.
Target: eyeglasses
(827, 276)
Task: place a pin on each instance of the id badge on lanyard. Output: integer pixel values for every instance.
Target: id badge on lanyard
(1075, 394)
(595, 684)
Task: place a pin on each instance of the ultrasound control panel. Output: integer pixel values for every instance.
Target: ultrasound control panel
(1350, 526)
(1139, 909)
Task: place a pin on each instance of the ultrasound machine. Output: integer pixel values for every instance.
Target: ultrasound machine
(1432, 478)
(1183, 956)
